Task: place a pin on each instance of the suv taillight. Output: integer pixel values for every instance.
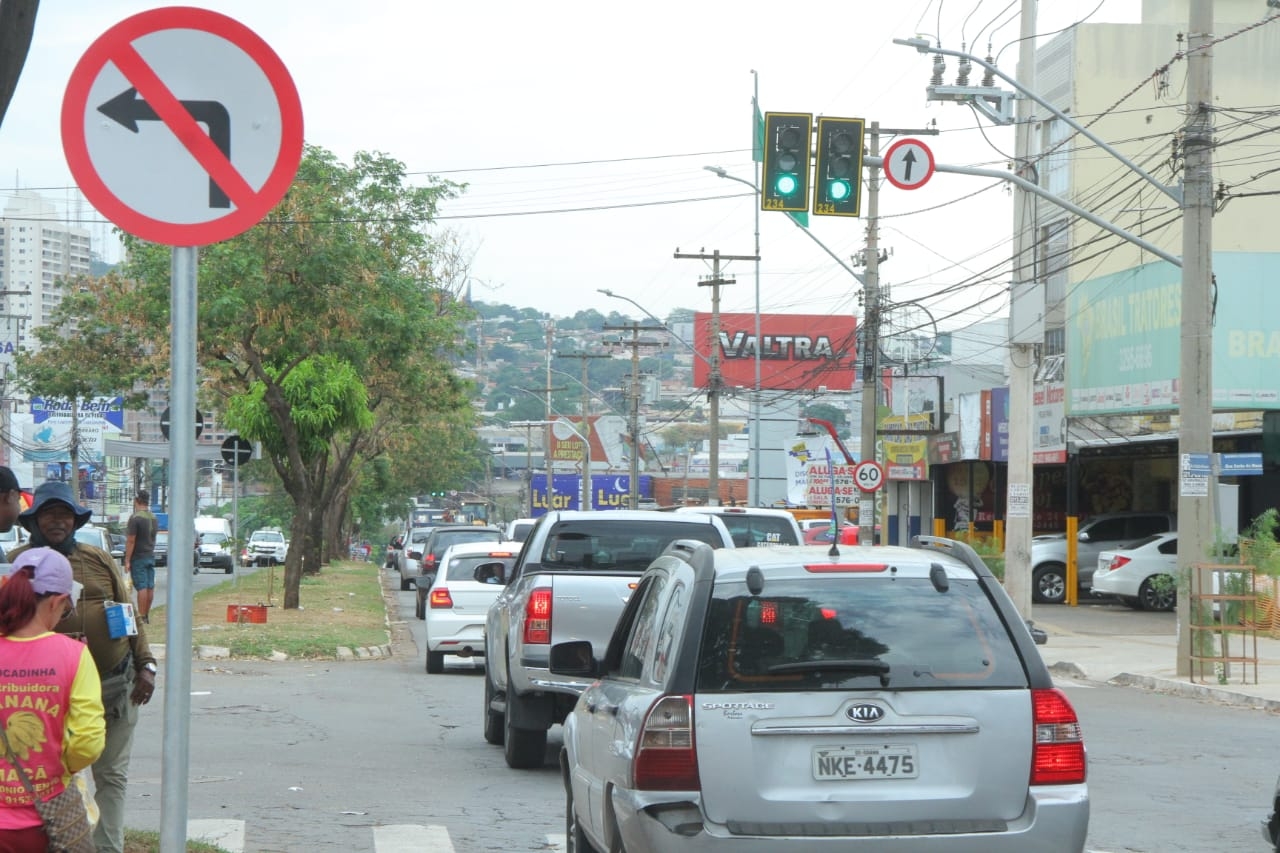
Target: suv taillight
(537, 616)
(1057, 748)
(440, 597)
(666, 758)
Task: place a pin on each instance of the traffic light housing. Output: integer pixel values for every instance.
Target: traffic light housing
(837, 186)
(786, 161)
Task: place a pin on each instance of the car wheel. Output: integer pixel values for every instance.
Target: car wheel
(1049, 584)
(227, 570)
(523, 748)
(420, 604)
(435, 662)
(493, 721)
(575, 839)
(404, 584)
(1157, 593)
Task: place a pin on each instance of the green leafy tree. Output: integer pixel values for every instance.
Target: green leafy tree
(327, 332)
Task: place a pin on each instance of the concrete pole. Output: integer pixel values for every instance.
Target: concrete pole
(1195, 376)
(713, 390)
(870, 335)
(753, 492)
(1022, 342)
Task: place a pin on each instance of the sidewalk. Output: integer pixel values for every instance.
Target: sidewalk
(1150, 661)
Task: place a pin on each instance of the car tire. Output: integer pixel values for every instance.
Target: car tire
(1157, 593)
(435, 662)
(494, 723)
(574, 838)
(524, 749)
(404, 584)
(1049, 584)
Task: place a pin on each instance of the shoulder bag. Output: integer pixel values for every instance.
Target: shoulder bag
(66, 820)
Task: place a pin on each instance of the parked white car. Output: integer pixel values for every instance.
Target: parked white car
(470, 577)
(1142, 574)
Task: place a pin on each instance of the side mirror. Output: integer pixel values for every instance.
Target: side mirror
(574, 659)
(494, 573)
(1082, 537)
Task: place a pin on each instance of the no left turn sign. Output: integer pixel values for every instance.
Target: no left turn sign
(868, 476)
(908, 164)
(182, 126)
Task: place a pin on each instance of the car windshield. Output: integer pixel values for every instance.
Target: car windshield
(267, 537)
(92, 536)
(830, 634)
(464, 568)
(213, 538)
(618, 545)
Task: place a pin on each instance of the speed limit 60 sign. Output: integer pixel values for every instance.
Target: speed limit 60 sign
(868, 476)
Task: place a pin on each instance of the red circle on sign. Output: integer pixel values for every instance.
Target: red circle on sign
(926, 174)
(117, 43)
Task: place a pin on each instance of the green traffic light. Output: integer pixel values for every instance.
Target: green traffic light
(786, 184)
(839, 190)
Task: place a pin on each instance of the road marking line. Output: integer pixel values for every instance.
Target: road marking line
(411, 838)
(224, 833)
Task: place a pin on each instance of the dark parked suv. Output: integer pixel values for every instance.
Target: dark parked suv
(1104, 532)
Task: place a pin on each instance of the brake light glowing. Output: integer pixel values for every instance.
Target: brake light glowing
(666, 757)
(768, 613)
(819, 568)
(440, 597)
(1057, 748)
(537, 617)
(827, 612)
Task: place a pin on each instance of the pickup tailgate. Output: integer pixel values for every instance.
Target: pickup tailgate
(587, 606)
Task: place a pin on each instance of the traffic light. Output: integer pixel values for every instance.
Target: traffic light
(786, 161)
(837, 187)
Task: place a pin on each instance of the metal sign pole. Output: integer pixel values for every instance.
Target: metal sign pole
(182, 451)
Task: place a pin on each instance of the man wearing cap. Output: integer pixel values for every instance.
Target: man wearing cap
(125, 664)
(10, 504)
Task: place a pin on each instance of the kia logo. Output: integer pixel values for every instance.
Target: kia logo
(864, 713)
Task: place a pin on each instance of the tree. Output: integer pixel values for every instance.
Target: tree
(17, 24)
(326, 332)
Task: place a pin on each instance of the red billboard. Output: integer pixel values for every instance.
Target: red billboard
(797, 351)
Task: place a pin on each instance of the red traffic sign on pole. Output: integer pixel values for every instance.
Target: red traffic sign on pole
(182, 126)
(908, 164)
(868, 476)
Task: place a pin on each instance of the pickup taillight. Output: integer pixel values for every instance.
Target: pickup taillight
(666, 756)
(537, 617)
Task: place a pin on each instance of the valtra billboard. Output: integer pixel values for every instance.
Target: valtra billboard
(797, 352)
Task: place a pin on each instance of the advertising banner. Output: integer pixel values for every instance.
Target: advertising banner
(608, 491)
(797, 351)
(802, 451)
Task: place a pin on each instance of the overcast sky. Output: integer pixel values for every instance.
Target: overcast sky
(611, 111)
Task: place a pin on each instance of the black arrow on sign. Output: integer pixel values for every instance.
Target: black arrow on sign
(910, 159)
(128, 109)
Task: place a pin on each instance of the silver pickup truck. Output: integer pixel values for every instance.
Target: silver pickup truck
(570, 582)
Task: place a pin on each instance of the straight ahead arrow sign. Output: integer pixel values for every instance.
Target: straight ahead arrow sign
(127, 109)
(910, 160)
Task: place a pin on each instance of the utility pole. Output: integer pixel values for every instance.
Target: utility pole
(1026, 329)
(870, 338)
(1195, 391)
(546, 445)
(713, 381)
(586, 426)
(633, 421)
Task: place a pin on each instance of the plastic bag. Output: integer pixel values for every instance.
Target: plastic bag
(83, 779)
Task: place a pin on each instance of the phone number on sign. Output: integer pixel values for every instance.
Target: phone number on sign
(1135, 358)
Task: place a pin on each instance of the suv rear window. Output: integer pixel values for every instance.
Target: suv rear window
(618, 545)
(833, 634)
(464, 568)
(753, 531)
(444, 539)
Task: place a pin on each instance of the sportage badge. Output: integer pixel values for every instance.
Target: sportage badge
(865, 713)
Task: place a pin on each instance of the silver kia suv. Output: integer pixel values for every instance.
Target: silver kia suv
(884, 699)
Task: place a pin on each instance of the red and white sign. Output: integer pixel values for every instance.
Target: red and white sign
(182, 126)
(908, 164)
(868, 476)
(798, 351)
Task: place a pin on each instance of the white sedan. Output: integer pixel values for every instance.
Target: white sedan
(1142, 573)
(470, 577)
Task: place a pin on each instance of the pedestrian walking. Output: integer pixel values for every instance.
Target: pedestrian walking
(124, 661)
(52, 721)
(140, 552)
(10, 504)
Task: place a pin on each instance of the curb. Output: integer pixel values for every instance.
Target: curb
(1195, 691)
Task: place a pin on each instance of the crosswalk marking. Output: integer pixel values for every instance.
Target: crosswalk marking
(409, 837)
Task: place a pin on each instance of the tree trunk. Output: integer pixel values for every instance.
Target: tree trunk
(293, 564)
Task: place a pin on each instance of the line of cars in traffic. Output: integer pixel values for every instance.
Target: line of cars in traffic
(715, 694)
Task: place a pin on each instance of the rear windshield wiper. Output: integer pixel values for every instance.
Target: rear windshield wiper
(865, 666)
